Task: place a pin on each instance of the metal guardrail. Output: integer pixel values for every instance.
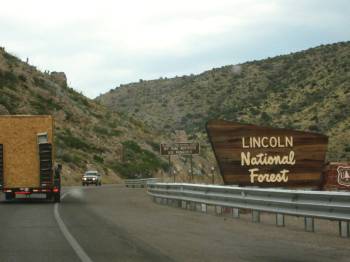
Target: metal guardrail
(309, 204)
(140, 182)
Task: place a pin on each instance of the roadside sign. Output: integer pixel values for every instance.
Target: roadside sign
(179, 149)
(250, 155)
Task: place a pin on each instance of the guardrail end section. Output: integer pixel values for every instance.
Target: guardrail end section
(344, 229)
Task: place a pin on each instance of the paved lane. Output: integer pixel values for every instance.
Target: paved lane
(29, 232)
(113, 223)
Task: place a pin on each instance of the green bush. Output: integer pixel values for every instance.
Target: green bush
(105, 132)
(8, 79)
(116, 133)
(101, 131)
(9, 101)
(155, 146)
(45, 105)
(69, 140)
(138, 162)
(98, 159)
(73, 159)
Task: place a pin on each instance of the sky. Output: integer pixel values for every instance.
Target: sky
(101, 44)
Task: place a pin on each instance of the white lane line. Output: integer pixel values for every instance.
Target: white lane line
(71, 240)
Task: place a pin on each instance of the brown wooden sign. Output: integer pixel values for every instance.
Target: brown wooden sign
(337, 176)
(262, 156)
(179, 149)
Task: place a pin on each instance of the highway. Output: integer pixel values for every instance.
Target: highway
(114, 223)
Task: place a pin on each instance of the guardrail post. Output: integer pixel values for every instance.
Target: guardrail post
(204, 208)
(309, 224)
(158, 200)
(192, 206)
(344, 228)
(280, 220)
(235, 212)
(256, 216)
(178, 203)
(218, 210)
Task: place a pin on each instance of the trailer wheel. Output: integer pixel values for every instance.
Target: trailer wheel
(9, 196)
(57, 198)
(48, 196)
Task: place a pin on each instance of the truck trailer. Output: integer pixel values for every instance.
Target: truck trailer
(27, 157)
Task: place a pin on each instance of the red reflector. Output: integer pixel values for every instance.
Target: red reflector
(56, 190)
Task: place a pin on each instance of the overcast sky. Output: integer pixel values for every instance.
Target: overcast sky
(102, 44)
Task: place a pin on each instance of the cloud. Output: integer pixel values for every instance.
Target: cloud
(100, 44)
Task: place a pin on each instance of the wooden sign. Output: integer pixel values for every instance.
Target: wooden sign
(179, 149)
(337, 176)
(262, 156)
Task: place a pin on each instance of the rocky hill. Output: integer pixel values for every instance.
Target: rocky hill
(87, 134)
(308, 90)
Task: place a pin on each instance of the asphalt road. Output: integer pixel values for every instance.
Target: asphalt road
(113, 223)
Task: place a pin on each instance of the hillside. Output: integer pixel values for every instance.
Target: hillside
(308, 90)
(87, 134)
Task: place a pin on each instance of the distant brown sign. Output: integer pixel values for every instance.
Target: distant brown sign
(179, 149)
(262, 156)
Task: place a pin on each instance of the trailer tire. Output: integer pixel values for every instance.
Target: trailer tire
(57, 198)
(9, 196)
(48, 196)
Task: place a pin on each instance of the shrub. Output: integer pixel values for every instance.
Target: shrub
(101, 130)
(8, 79)
(138, 162)
(74, 142)
(98, 159)
(45, 105)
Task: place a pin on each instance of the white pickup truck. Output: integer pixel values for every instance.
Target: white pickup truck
(91, 177)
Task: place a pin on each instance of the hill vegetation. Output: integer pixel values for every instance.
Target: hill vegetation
(308, 90)
(88, 135)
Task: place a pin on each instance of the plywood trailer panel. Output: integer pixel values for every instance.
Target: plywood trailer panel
(18, 135)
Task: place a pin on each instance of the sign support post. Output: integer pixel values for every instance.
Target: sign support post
(191, 164)
(170, 168)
